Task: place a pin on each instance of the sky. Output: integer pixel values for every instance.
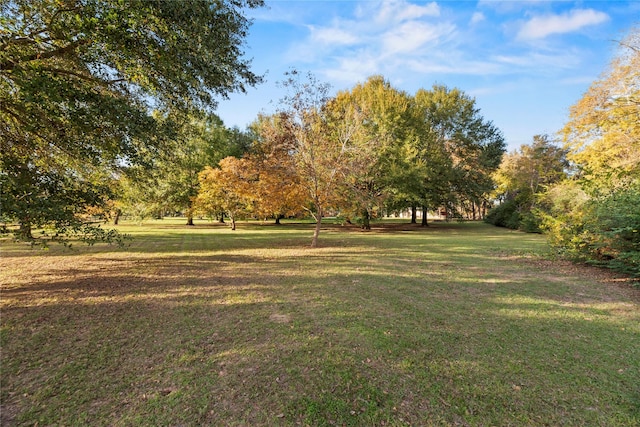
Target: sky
(524, 62)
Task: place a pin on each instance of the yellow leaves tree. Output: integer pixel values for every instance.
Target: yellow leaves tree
(602, 224)
(227, 189)
(371, 122)
(603, 132)
(319, 157)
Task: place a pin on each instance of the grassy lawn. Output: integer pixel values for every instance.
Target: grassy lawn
(454, 324)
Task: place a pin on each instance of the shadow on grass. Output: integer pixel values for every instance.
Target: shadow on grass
(360, 332)
(172, 238)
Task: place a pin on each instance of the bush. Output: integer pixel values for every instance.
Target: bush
(530, 223)
(603, 230)
(509, 215)
(504, 215)
(616, 230)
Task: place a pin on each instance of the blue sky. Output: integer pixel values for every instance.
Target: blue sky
(525, 62)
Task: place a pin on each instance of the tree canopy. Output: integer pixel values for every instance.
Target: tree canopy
(78, 80)
(368, 150)
(594, 215)
(585, 196)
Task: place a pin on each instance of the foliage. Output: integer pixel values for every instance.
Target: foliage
(523, 178)
(464, 149)
(599, 219)
(278, 191)
(318, 155)
(604, 230)
(78, 78)
(227, 189)
(372, 121)
(199, 141)
(505, 215)
(617, 235)
(602, 134)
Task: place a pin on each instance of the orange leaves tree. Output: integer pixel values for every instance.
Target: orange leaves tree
(227, 189)
(278, 191)
(318, 156)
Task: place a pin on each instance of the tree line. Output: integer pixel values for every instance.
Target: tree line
(584, 193)
(365, 151)
(107, 107)
(362, 152)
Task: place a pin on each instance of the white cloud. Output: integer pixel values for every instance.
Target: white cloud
(332, 36)
(383, 38)
(477, 17)
(540, 27)
(353, 69)
(537, 62)
(454, 64)
(380, 37)
(411, 36)
(395, 11)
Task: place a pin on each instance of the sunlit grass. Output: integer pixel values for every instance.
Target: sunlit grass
(455, 324)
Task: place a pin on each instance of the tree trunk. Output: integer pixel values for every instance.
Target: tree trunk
(221, 218)
(316, 232)
(25, 231)
(414, 215)
(233, 223)
(424, 217)
(278, 217)
(189, 219)
(116, 217)
(366, 223)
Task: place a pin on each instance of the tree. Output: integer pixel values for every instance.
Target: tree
(523, 178)
(372, 120)
(472, 148)
(600, 222)
(227, 189)
(531, 169)
(278, 191)
(78, 78)
(602, 134)
(318, 155)
(199, 142)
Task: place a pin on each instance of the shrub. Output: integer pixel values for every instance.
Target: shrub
(504, 215)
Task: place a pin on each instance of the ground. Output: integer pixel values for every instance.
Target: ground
(456, 324)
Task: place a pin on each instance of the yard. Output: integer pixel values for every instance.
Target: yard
(453, 324)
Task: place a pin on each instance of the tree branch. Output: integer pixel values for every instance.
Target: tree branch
(10, 64)
(86, 77)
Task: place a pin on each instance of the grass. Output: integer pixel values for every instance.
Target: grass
(454, 324)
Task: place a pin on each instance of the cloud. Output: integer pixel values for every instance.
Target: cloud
(540, 27)
(539, 63)
(477, 17)
(411, 36)
(396, 11)
(379, 37)
(454, 64)
(333, 36)
(353, 69)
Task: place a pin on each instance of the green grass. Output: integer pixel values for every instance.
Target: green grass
(454, 324)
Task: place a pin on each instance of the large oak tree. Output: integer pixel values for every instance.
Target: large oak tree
(78, 79)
